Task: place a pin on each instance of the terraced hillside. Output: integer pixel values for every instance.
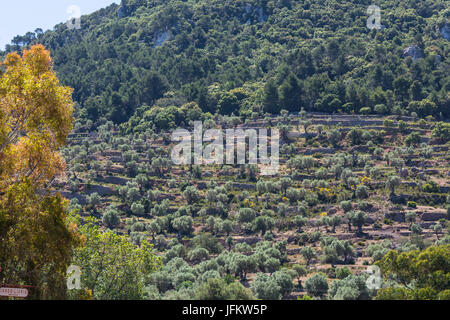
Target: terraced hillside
(350, 188)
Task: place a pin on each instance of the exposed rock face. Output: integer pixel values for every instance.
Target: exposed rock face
(395, 216)
(438, 59)
(414, 52)
(122, 12)
(160, 38)
(253, 13)
(445, 31)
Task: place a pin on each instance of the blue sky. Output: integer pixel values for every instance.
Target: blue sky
(17, 17)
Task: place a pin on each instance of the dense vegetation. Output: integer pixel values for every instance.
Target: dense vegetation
(36, 116)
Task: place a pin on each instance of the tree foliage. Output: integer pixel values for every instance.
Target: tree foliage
(419, 274)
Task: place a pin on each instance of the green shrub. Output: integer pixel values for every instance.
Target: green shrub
(412, 204)
(365, 110)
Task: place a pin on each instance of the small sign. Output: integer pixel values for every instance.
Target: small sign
(14, 292)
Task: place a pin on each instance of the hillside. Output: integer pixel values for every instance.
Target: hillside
(343, 198)
(221, 54)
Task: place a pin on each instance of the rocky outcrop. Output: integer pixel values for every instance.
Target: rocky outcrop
(438, 59)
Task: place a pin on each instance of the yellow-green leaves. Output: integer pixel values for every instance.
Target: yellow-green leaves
(423, 274)
(35, 118)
